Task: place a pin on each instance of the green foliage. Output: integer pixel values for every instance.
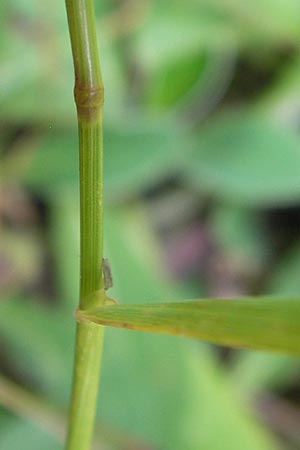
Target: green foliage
(245, 158)
(220, 82)
(18, 431)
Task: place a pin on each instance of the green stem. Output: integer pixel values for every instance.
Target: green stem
(88, 94)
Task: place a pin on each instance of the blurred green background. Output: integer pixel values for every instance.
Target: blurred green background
(202, 198)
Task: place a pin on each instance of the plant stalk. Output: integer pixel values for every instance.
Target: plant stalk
(88, 93)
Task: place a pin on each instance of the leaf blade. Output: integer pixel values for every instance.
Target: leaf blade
(265, 323)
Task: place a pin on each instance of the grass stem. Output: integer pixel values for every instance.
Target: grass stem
(88, 94)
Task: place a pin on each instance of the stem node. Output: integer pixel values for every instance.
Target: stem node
(89, 100)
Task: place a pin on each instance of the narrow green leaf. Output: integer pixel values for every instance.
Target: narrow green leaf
(269, 323)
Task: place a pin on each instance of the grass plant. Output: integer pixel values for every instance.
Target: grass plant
(267, 323)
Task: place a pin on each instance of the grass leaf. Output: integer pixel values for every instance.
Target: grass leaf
(269, 323)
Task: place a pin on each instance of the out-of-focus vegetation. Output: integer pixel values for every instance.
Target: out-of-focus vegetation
(202, 195)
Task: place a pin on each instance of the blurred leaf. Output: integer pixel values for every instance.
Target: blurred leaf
(39, 341)
(255, 372)
(19, 69)
(24, 107)
(259, 24)
(37, 74)
(114, 76)
(266, 22)
(136, 157)
(262, 323)
(216, 418)
(19, 433)
(171, 82)
(64, 236)
(282, 98)
(178, 62)
(164, 40)
(162, 372)
(247, 159)
(58, 153)
(285, 277)
(238, 232)
(23, 403)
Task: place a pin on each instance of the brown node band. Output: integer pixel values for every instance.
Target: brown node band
(88, 97)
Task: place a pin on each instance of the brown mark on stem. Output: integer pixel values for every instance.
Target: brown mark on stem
(89, 101)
